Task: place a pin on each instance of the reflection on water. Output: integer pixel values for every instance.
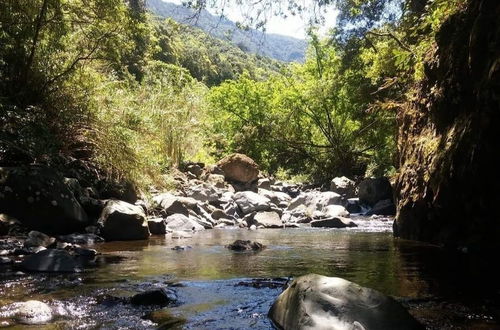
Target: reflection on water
(424, 277)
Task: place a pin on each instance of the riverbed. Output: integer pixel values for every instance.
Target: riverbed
(221, 289)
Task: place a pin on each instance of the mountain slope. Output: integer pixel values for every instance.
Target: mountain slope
(283, 48)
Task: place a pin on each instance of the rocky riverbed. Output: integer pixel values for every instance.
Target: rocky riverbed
(214, 253)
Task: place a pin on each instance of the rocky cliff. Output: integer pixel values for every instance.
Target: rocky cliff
(447, 188)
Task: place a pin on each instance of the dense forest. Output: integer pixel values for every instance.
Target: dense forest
(135, 94)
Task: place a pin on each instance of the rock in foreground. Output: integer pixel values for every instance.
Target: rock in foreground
(319, 302)
(121, 221)
(33, 312)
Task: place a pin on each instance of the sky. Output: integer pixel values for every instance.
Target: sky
(294, 26)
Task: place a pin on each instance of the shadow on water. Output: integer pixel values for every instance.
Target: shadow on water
(216, 289)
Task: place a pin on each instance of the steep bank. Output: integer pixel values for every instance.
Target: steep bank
(446, 188)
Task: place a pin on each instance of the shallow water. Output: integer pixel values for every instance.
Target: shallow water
(216, 288)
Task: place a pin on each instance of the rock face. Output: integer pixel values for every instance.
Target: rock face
(33, 312)
(40, 200)
(318, 302)
(239, 168)
(50, 260)
(121, 221)
(370, 191)
(448, 134)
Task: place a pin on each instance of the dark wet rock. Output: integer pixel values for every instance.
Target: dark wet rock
(28, 250)
(38, 197)
(370, 191)
(93, 207)
(84, 239)
(180, 222)
(319, 302)
(181, 247)
(83, 252)
(33, 312)
(160, 297)
(239, 168)
(121, 221)
(50, 260)
(343, 186)
(74, 186)
(384, 207)
(36, 238)
(267, 219)
(249, 201)
(5, 261)
(241, 245)
(352, 205)
(335, 222)
(157, 226)
(124, 191)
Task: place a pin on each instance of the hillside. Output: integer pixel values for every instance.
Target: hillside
(279, 47)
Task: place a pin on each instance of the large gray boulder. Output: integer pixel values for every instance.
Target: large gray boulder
(267, 219)
(172, 204)
(370, 191)
(203, 193)
(39, 198)
(180, 222)
(121, 221)
(315, 201)
(249, 202)
(319, 302)
(335, 211)
(239, 168)
(343, 186)
(50, 260)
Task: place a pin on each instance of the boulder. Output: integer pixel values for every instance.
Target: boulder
(335, 211)
(160, 297)
(315, 200)
(33, 312)
(334, 222)
(264, 183)
(203, 193)
(171, 204)
(343, 186)
(370, 191)
(249, 201)
(157, 226)
(121, 221)
(123, 190)
(5, 261)
(36, 238)
(38, 197)
(319, 302)
(180, 222)
(241, 245)
(383, 207)
(216, 180)
(239, 168)
(195, 169)
(267, 219)
(352, 205)
(50, 260)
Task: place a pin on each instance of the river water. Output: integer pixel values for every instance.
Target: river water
(221, 289)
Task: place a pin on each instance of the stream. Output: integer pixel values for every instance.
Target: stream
(221, 289)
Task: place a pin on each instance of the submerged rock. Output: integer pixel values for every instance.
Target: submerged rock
(121, 221)
(50, 260)
(319, 302)
(161, 297)
(241, 245)
(33, 312)
(335, 222)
